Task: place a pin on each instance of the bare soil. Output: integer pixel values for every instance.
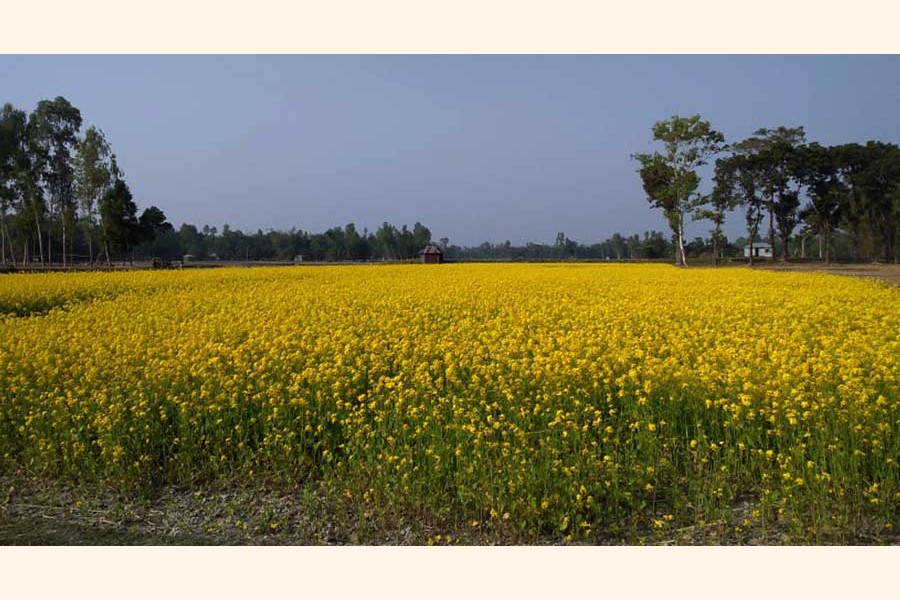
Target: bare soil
(889, 273)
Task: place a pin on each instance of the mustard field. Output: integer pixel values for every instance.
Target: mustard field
(583, 401)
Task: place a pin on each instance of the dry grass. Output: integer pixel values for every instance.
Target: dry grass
(889, 273)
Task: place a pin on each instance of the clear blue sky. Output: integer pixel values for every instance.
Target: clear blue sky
(476, 147)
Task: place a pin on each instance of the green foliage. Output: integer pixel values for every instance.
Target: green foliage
(92, 176)
(779, 152)
(51, 179)
(118, 214)
(872, 173)
(670, 178)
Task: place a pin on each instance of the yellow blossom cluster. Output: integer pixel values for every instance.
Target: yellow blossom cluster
(559, 399)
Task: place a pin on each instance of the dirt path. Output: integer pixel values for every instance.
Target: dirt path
(885, 272)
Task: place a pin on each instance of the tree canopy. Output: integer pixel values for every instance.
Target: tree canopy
(53, 177)
(670, 178)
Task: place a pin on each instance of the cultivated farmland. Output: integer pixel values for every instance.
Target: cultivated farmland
(555, 402)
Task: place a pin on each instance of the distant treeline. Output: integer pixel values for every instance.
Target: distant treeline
(335, 244)
(388, 242)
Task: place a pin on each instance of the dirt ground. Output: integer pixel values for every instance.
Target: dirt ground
(885, 272)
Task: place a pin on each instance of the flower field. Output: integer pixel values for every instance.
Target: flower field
(582, 402)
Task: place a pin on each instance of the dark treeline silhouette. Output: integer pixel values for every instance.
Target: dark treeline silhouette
(652, 245)
(847, 196)
(386, 243)
(336, 244)
(392, 243)
(63, 198)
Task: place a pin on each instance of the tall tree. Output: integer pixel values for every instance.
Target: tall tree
(54, 126)
(819, 169)
(152, 223)
(118, 214)
(92, 178)
(778, 151)
(107, 225)
(873, 173)
(670, 179)
(13, 172)
(739, 180)
(715, 205)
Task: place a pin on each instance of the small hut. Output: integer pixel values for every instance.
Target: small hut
(760, 250)
(431, 255)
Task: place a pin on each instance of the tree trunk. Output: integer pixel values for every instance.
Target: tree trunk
(64, 238)
(7, 241)
(12, 250)
(888, 243)
(90, 241)
(715, 251)
(680, 258)
(37, 223)
(772, 228)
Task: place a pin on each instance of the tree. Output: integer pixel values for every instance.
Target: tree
(192, 241)
(152, 222)
(739, 180)
(54, 126)
(778, 153)
(618, 244)
(121, 226)
(696, 247)
(819, 170)
(92, 178)
(386, 240)
(670, 179)
(335, 244)
(13, 172)
(357, 245)
(721, 200)
(21, 196)
(873, 174)
(421, 237)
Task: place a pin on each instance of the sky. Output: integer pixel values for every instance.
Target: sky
(475, 147)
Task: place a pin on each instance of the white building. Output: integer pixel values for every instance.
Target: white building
(760, 250)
